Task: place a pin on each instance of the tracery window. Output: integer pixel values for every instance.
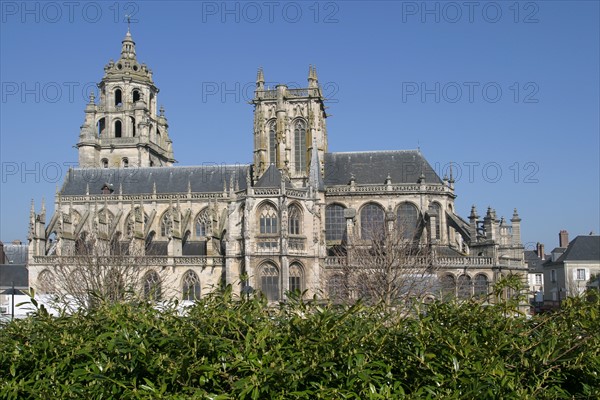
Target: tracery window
(268, 219)
(371, 221)
(294, 220)
(152, 287)
(203, 224)
(295, 280)
(269, 281)
(300, 146)
(335, 223)
(407, 219)
(190, 286)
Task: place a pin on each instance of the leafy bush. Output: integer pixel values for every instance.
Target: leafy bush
(225, 348)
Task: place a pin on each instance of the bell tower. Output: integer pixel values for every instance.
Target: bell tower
(124, 129)
(288, 123)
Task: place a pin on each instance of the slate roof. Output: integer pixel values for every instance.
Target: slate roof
(16, 273)
(373, 167)
(535, 263)
(272, 179)
(15, 253)
(582, 248)
(204, 178)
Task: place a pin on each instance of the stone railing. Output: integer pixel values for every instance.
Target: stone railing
(463, 261)
(389, 189)
(335, 261)
(266, 192)
(125, 260)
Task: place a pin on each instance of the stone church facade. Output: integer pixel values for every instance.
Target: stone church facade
(277, 224)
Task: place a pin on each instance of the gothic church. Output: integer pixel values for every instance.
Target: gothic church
(277, 224)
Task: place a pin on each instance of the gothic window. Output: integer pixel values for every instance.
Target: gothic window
(125, 162)
(152, 287)
(118, 97)
(464, 287)
(269, 281)
(407, 219)
(371, 221)
(335, 223)
(435, 212)
(272, 143)
(203, 224)
(268, 220)
(294, 220)
(480, 286)
(300, 146)
(104, 163)
(132, 126)
(45, 282)
(190, 286)
(136, 95)
(118, 125)
(295, 281)
(166, 225)
(101, 126)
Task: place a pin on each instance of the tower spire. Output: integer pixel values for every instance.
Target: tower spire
(260, 79)
(128, 45)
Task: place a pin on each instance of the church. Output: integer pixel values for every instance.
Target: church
(286, 222)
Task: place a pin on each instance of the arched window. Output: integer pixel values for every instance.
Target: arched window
(268, 219)
(101, 125)
(300, 146)
(136, 95)
(480, 286)
(272, 143)
(45, 282)
(158, 137)
(407, 219)
(269, 281)
(464, 287)
(190, 286)
(118, 97)
(448, 286)
(132, 126)
(434, 211)
(125, 162)
(203, 224)
(104, 163)
(166, 224)
(371, 221)
(335, 223)
(152, 287)
(295, 281)
(294, 220)
(118, 126)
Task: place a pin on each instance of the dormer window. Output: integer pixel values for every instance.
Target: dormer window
(106, 189)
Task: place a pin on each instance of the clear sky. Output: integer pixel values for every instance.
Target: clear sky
(507, 91)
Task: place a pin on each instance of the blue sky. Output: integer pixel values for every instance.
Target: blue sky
(506, 91)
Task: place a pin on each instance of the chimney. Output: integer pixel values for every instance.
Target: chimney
(563, 239)
(540, 251)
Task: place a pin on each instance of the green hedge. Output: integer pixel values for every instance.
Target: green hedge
(226, 349)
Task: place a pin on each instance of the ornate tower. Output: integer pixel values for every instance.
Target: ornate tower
(287, 124)
(124, 130)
